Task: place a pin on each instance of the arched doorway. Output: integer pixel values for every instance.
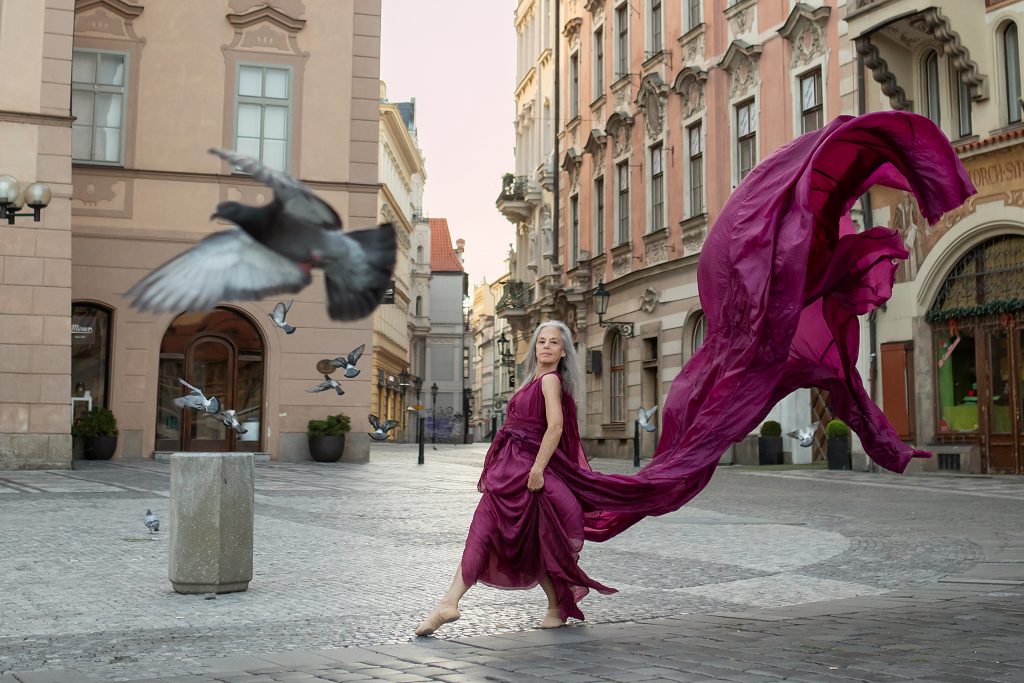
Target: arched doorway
(221, 352)
(978, 330)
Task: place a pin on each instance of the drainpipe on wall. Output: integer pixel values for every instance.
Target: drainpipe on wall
(555, 217)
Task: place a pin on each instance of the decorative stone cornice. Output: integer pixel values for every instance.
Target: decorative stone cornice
(650, 98)
(572, 28)
(740, 60)
(689, 84)
(803, 11)
(91, 16)
(619, 126)
(805, 31)
(125, 10)
(595, 142)
(937, 24)
(880, 72)
(266, 13)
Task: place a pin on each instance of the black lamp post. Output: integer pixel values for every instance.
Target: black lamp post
(601, 297)
(508, 360)
(417, 384)
(433, 413)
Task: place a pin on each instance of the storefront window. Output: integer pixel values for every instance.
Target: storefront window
(958, 381)
(90, 355)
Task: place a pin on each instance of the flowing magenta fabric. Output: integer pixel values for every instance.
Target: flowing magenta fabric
(781, 284)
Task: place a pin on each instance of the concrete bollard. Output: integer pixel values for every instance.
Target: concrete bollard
(211, 522)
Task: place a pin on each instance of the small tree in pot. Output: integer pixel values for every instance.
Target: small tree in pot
(839, 457)
(327, 437)
(769, 444)
(98, 430)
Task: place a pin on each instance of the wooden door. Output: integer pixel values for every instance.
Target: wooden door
(1002, 396)
(210, 366)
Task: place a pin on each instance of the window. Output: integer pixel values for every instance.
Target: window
(574, 216)
(654, 21)
(696, 169)
(598, 62)
(262, 114)
(622, 172)
(622, 41)
(465, 362)
(1011, 69)
(90, 356)
(811, 109)
(931, 87)
(692, 13)
(700, 330)
(617, 379)
(419, 254)
(962, 94)
(657, 188)
(574, 85)
(419, 305)
(98, 104)
(599, 216)
(746, 137)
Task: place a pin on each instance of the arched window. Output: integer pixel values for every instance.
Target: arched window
(961, 102)
(419, 254)
(617, 378)
(1011, 72)
(90, 355)
(419, 305)
(930, 80)
(700, 328)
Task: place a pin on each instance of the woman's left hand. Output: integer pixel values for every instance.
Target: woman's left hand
(535, 483)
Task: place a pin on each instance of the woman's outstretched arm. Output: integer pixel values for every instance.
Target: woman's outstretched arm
(551, 386)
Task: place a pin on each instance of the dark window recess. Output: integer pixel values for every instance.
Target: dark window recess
(949, 462)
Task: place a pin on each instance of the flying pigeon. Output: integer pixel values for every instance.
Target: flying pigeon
(272, 251)
(152, 523)
(381, 429)
(197, 401)
(644, 416)
(349, 362)
(328, 383)
(805, 434)
(277, 317)
(230, 420)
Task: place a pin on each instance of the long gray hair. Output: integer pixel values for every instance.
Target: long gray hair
(572, 381)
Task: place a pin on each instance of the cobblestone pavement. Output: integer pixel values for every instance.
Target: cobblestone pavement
(796, 574)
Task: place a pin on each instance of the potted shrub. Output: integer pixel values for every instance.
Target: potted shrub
(327, 437)
(838, 446)
(769, 444)
(98, 430)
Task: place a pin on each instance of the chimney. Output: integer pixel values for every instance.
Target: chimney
(460, 247)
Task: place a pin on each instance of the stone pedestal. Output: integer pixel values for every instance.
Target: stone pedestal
(211, 522)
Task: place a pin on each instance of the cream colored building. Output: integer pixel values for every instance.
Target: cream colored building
(294, 83)
(402, 176)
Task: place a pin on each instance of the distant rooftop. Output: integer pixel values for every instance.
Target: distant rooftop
(443, 257)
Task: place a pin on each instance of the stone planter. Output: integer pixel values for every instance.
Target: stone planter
(211, 522)
(769, 450)
(98, 447)
(839, 454)
(326, 448)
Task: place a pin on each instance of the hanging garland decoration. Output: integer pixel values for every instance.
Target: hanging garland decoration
(1003, 307)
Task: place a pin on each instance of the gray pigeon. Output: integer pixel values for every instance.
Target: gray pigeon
(227, 417)
(644, 416)
(805, 434)
(197, 400)
(328, 383)
(277, 317)
(349, 362)
(380, 429)
(152, 523)
(272, 251)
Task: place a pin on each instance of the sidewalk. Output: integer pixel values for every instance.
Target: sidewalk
(798, 575)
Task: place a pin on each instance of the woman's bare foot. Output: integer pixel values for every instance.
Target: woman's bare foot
(442, 614)
(553, 619)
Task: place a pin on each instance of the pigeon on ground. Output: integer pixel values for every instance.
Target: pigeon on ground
(152, 523)
(381, 429)
(349, 362)
(328, 383)
(197, 400)
(277, 317)
(805, 434)
(228, 418)
(272, 251)
(644, 416)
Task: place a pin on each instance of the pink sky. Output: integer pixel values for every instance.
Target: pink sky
(458, 59)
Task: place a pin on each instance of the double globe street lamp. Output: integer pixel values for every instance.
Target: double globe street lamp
(13, 199)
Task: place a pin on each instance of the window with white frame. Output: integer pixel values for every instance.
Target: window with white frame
(617, 378)
(695, 177)
(598, 216)
(961, 102)
(622, 176)
(598, 62)
(693, 14)
(930, 83)
(574, 235)
(1011, 73)
(263, 113)
(812, 110)
(654, 21)
(621, 40)
(657, 188)
(574, 85)
(98, 96)
(700, 330)
(746, 138)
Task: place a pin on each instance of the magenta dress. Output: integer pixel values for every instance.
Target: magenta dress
(782, 279)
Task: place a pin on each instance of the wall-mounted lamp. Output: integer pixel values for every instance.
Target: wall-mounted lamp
(12, 199)
(601, 297)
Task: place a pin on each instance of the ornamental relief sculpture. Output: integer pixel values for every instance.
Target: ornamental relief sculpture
(689, 85)
(656, 252)
(806, 44)
(621, 263)
(744, 76)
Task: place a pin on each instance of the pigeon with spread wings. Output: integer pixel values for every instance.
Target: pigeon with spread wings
(380, 429)
(272, 251)
(196, 400)
(349, 362)
(277, 316)
(805, 435)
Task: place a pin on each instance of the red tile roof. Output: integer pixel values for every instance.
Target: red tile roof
(443, 258)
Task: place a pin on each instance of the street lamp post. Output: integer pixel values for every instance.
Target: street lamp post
(508, 360)
(601, 297)
(433, 414)
(417, 383)
(12, 199)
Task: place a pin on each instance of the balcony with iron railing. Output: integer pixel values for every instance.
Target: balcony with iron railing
(511, 200)
(514, 299)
